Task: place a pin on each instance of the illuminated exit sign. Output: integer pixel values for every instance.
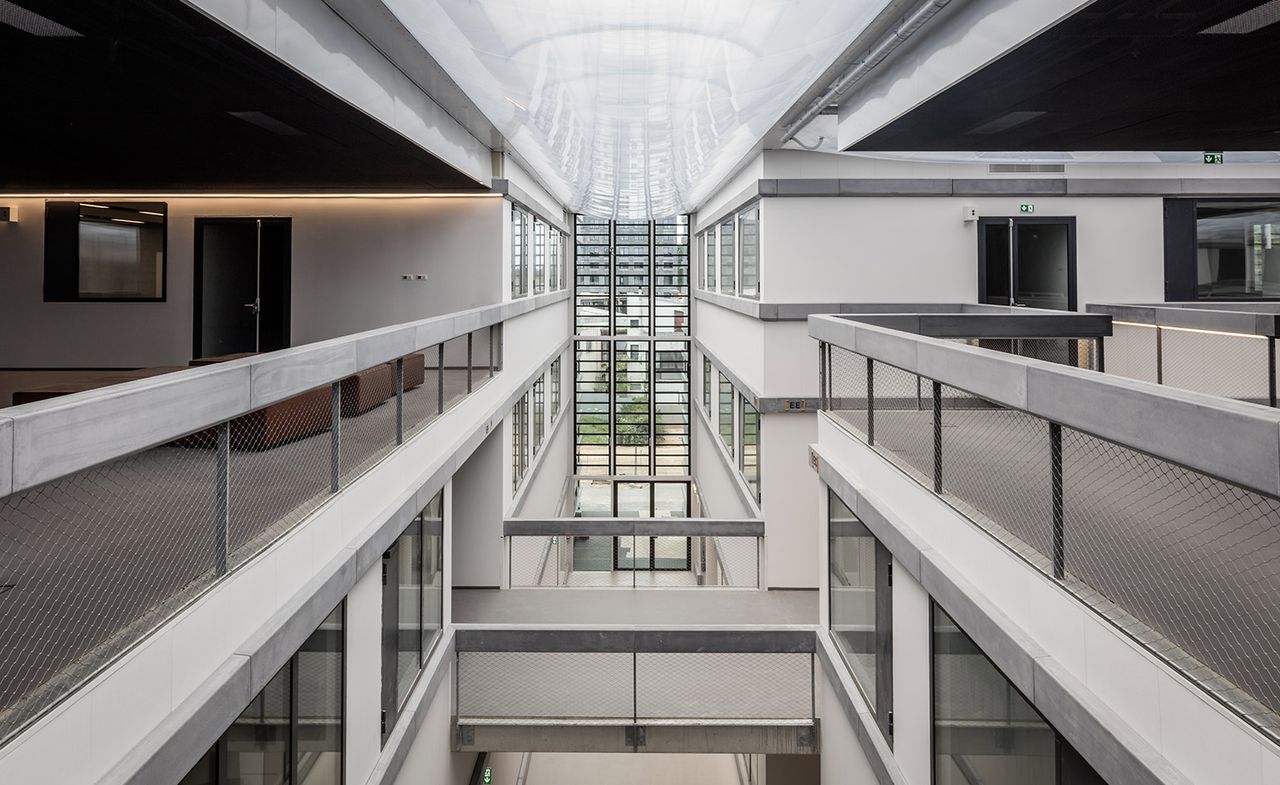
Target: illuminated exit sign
(1213, 158)
(1026, 208)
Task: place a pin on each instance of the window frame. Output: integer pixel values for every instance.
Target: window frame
(60, 265)
(519, 252)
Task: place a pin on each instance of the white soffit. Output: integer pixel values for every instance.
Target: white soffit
(634, 108)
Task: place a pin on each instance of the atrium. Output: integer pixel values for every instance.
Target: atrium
(553, 392)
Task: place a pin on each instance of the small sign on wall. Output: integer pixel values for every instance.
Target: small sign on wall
(795, 405)
(1026, 208)
(1214, 158)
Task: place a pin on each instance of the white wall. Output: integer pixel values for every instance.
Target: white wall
(362, 743)
(348, 255)
(912, 696)
(739, 181)
(842, 760)
(477, 522)
(544, 487)
(717, 483)
(431, 759)
(918, 249)
(790, 492)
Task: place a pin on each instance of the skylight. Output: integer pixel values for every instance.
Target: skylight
(634, 108)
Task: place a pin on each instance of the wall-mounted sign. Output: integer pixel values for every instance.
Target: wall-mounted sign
(795, 405)
(488, 775)
(1026, 208)
(1214, 158)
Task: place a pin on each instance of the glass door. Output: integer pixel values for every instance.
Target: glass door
(1027, 262)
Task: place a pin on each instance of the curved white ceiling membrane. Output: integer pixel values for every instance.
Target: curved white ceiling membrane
(634, 108)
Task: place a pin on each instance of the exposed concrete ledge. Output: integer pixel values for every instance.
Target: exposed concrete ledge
(518, 195)
(1261, 319)
(169, 751)
(643, 737)
(627, 527)
(1110, 745)
(562, 638)
(1003, 186)
(859, 714)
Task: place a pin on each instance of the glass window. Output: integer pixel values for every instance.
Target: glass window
(519, 440)
(855, 564)
(727, 269)
(105, 251)
(981, 724)
(633, 434)
(539, 413)
(539, 257)
(671, 407)
(432, 571)
(707, 383)
(555, 388)
(292, 731)
(713, 250)
(591, 396)
(519, 252)
(1238, 249)
(402, 617)
(750, 453)
(749, 247)
(726, 412)
(318, 759)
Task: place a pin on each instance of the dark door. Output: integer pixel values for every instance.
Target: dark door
(241, 285)
(1027, 261)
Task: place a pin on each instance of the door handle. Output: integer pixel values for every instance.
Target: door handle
(254, 306)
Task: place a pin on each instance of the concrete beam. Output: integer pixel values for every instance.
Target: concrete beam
(595, 639)
(696, 739)
(627, 527)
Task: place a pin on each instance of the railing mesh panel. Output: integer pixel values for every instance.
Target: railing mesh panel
(564, 686)
(1233, 366)
(583, 561)
(92, 561)
(281, 469)
(724, 686)
(1130, 351)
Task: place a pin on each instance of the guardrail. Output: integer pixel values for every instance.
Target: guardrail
(1226, 349)
(121, 505)
(633, 552)
(1159, 508)
(634, 677)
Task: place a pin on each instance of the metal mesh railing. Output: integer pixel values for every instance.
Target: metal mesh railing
(634, 561)
(624, 687)
(1231, 365)
(93, 561)
(1186, 563)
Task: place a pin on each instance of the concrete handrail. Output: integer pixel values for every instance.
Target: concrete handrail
(1235, 441)
(46, 440)
(1260, 319)
(628, 527)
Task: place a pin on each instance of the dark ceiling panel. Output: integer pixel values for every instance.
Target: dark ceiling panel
(142, 100)
(1118, 75)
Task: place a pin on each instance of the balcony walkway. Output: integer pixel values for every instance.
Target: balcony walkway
(707, 606)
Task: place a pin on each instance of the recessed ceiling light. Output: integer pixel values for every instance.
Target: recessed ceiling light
(267, 123)
(33, 23)
(1250, 21)
(127, 221)
(1005, 122)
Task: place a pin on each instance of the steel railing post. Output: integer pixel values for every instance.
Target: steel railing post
(492, 329)
(222, 507)
(823, 393)
(937, 437)
(1159, 356)
(440, 378)
(399, 400)
(1271, 371)
(1099, 358)
(469, 363)
(335, 436)
(1059, 523)
(871, 402)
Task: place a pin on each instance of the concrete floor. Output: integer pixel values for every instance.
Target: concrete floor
(659, 606)
(90, 562)
(1195, 560)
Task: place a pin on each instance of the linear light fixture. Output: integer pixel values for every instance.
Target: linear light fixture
(127, 221)
(95, 206)
(1247, 22)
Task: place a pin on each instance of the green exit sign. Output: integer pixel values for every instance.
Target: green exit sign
(1213, 158)
(488, 776)
(1026, 208)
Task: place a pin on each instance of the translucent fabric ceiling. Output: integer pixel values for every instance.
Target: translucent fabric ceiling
(634, 108)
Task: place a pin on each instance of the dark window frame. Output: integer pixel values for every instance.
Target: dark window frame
(61, 261)
(1181, 249)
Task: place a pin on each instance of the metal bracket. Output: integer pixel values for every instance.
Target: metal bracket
(634, 735)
